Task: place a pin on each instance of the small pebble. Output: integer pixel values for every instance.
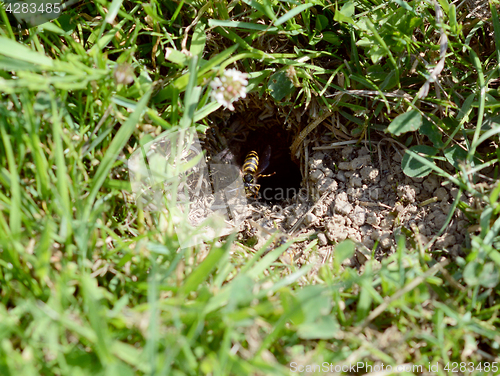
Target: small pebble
(370, 174)
(372, 219)
(355, 181)
(358, 216)
(347, 151)
(310, 219)
(374, 194)
(341, 176)
(385, 240)
(322, 239)
(441, 194)
(316, 175)
(407, 192)
(342, 205)
(431, 183)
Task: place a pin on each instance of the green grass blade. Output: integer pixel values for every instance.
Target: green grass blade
(291, 14)
(18, 51)
(113, 11)
(496, 28)
(242, 25)
(114, 148)
(203, 270)
(61, 173)
(192, 95)
(15, 188)
(198, 41)
(264, 9)
(482, 100)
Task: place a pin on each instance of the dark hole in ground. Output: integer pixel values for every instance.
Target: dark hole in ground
(285, 182)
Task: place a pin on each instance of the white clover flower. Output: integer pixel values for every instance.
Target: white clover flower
(231, 86)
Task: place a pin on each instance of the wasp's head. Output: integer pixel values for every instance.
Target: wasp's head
(248, 179)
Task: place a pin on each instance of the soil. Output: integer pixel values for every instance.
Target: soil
(348, 195)
(348, 190)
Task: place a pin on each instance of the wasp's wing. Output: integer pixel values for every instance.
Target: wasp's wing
(226, 156)
(223, 169)
(264, 160)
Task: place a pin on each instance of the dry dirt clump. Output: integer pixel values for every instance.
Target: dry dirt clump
(354, 198)
(372, 206)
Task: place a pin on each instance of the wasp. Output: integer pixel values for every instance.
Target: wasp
(252, 170)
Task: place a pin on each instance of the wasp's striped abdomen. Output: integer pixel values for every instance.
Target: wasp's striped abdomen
(251, 163)
(252, 170)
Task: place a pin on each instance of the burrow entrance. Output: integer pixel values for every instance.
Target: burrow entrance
(285, 180)
(255, 128)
